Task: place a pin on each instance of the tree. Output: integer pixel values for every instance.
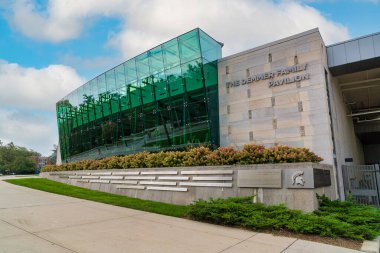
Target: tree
(15, 159)
(53, 156)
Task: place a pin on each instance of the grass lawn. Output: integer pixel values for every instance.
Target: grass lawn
(103, 197)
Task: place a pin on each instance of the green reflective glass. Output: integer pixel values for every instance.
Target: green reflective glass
(102, 87)
(193, 75)
(189, 47)
(110, 80)
(142, 64)
(120, 79)
(210, 47)
(165, 98)
(156, 60)
(171, 54)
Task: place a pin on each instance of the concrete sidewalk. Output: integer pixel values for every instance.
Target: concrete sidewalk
(35, 221)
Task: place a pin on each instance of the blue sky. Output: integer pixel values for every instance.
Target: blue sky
(50, 47)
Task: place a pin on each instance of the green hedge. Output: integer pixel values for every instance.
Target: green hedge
(333, 219)
(199, 156)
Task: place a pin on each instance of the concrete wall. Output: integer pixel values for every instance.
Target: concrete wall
(293, 114)
(186, 184)
(347, 143)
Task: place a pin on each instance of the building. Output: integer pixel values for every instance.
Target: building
(294, 91)
(41, 162)
(164, 98)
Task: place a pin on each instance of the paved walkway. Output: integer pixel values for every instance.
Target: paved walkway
(35, 221)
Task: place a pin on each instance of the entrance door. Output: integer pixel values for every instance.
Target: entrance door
(362, 182)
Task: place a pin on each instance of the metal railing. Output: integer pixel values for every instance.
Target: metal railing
(362, 183)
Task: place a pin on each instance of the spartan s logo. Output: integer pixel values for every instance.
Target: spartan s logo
(297, 178)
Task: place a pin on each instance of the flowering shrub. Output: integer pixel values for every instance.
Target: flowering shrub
(199, 156)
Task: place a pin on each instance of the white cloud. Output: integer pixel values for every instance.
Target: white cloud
(61, 20)
(35, 88)
(29, 129)
(240, 24)
(27, 103)
(93, 66)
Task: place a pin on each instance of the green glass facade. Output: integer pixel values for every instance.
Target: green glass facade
(165, 98)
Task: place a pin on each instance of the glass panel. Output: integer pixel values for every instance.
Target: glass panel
(189, 46)
(110, 79)
(94, 88)
(174, 78)
(147, 91)
(211, 50)
(115, 97)
(134, 94)
(102, 88)
(171, 54)
(98, 110)
(211, 73)
(106, 97)
(124, 99)
(142, 62)
(80, 95)
(160, 86)
(156, 60)
(86, 90)
(73, 99)
(193, 75)
(130, 71)
(120, 76)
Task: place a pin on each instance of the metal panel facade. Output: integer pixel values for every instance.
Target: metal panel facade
(356, 50)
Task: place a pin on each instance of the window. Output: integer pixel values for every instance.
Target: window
(274, 123)
(227, 70)
(302, 130)
(250, 114)
(248, 73)
(251, 136)
(249, 93)
(228, 109)
(269, 57)
(300, 107)
(295, 59)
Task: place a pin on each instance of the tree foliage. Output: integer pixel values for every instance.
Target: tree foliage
(53, 156)
(16, 159)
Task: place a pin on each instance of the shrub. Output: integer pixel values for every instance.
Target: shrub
(333, 219)
(198, 156)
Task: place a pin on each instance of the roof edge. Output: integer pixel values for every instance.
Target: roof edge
(357, 38)
(292, 37)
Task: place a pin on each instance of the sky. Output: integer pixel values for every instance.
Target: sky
(50, 47)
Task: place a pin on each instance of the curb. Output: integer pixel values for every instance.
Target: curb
(371, 246)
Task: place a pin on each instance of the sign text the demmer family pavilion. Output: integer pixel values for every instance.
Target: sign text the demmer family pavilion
(275, 73)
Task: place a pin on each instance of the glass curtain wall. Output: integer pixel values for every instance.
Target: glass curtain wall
(165, 98)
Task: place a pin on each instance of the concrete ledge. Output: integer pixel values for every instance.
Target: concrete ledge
(371, 246)
(205, 182)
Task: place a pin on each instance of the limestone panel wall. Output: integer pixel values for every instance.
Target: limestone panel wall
(294, 114)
